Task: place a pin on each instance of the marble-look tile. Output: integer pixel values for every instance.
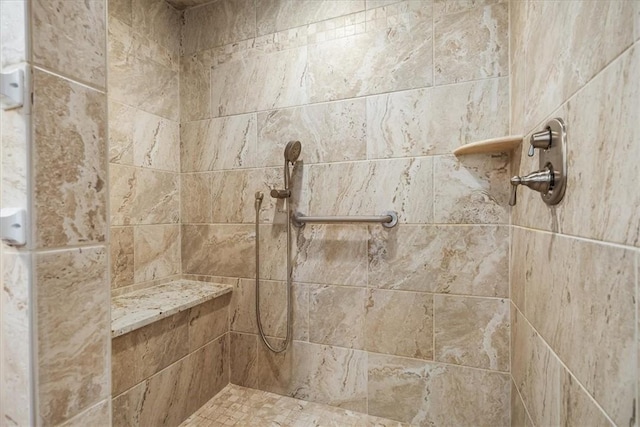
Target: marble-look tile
(156, 251)
(121, 131)
(15, 332)
(332, 132)
(401, 185)
(143, 196)
(73, 356)
(472, 44)
(208, 321)
(244, 360)
(158, 21)
(218, 23)
(424, 393)
(372, 4)
(169, 397)
(233, 196)
(97, 415)
(330, 254)
(577, 407)
(139, 354)
(444, 7)
(69, 37)
(536, 372)
(142, 307)
(195, 198)
(278, 15)
(413, 123)
(636, 22)
(471, 190)
(14, 157)
(259, 81)
(138, 76)
(184, 4)
(601, 32)
(517, 65)
(567, 279)
(122, 256)
(399, 323)
(13, 33)
(336, 316)
(228, 250)
(317, 373)
(70, 203)
(156, 142)
(472, 332)
(374, 62)
(217, 144)
(195, 86)
(519, 417)
(272, 308)
(461, 260)
(121, 10)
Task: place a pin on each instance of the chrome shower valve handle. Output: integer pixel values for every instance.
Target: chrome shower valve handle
(540, 181)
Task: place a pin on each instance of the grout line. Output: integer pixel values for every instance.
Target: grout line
(579, 238)
(68, 78)
(526, 410)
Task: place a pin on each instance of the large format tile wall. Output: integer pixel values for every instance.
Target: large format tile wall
(16, 354)
(411, 323)
(144, 142)
(574, 267)
(69, 212)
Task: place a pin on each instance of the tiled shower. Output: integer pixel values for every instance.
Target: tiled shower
(153, 124)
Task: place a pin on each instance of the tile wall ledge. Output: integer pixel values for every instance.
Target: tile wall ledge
(140, 308)
(495, 145)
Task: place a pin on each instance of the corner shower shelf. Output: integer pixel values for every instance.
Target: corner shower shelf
(140, 308)
(495, 145)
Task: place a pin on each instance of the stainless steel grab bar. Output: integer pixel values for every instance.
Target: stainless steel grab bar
(388, 219)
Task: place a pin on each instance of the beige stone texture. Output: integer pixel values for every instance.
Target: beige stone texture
(195, 198)
(156, 252)
(337, 316)
(97, 415)
(244, 359)
(208, 321)
(122, 256)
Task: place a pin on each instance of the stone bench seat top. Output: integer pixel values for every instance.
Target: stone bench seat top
(140, 308)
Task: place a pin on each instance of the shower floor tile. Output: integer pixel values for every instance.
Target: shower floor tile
(240, 406)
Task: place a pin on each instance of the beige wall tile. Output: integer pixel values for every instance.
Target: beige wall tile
(570, 279)
(372, 4)
(121, 126)
(601, 31)
(462, 260)
(158, 21)
(277, 15)
(472, 332)
(577, 408)
(336, 316)
(208, 321)
(330, 254)
(195, 86)
(399, 323)
(195, 198)
(318, 373)
(425, 393)
(146, 351)
(444, 7)
(69, 37)
(471, 190)
(157, 251)
(413, 123)
(218, 23)
(70, 139)
(374, 62)
(13, 33)
(217, 144)
(403, 185)
(73, 356)
(330, 132)
(15, 153)
(143, 196)
(122, 256)
(121, 9)
(517, 66)
(97, 415)
(535, 371)
(169, 397)
(244, 360)
(259, 81)
(243, 306)
(15, 329)
(519, 416)
(471, 45)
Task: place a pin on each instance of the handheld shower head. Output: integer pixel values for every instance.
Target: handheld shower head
(292, 151)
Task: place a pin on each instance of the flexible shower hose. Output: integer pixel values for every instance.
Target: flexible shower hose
(258, 205)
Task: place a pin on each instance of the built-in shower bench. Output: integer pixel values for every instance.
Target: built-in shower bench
(143, 307)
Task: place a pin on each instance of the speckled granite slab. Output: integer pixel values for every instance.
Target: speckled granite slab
(140, 308)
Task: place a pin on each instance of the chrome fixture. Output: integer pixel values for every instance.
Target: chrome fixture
(551, 179)
(388, 219)
(291, 153)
